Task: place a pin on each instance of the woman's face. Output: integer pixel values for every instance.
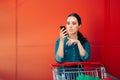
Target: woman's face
(72, 25)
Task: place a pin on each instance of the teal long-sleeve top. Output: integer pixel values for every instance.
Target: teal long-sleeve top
(71, 53)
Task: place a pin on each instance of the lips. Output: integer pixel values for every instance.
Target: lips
(70, 30)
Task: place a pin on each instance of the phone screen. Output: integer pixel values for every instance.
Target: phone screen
(63, 27)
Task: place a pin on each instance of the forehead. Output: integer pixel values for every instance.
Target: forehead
(71, 19)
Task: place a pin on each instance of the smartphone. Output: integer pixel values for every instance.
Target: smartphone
(62, 27)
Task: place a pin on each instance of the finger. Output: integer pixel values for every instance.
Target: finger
(70, 43)
(67, 43)
(74, 43)
(62, 30)
(65, 34)
(68, 38)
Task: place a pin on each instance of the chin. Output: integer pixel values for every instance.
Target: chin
(71, 33)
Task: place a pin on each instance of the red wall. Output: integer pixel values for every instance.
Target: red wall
(114, 37)
(7, 40)
(29, 28)
(110, 52)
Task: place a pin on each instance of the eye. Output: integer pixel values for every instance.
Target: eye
(68, 23)
(74, 23)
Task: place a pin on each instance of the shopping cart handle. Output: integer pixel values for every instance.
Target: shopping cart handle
(76, 63)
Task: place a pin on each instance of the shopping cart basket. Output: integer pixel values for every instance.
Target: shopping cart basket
(74, 70)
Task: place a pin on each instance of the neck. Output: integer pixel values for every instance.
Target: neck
(73, 36)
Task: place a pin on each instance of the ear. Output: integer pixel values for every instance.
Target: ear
(79, 26)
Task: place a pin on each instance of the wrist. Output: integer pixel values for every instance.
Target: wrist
(61, 39)
(78, 42)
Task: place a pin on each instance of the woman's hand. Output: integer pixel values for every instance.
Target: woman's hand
(72, 41)
(63, 34)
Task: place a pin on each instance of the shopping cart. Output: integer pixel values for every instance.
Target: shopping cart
(75, 70)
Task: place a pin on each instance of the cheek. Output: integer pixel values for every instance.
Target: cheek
(67, 28)
(75, 28)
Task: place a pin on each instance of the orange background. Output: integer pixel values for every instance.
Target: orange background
(29, 29)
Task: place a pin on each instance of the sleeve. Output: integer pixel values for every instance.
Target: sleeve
(57, 57)
(86, 46)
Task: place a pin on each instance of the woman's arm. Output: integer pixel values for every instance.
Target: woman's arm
(84, 50)
(60, 46)
(59, 51)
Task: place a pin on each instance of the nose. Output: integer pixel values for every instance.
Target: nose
(70, 26)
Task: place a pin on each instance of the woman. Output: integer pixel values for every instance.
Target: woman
(72, 47)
